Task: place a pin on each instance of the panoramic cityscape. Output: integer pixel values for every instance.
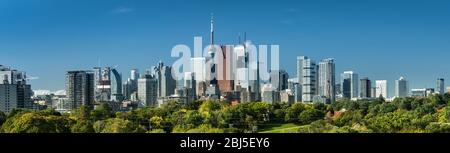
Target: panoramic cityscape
(239, 82)
(314, 82)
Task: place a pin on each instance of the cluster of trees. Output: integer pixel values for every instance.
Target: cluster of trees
(403, 115)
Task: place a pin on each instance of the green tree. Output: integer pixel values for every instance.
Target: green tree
(395, 122)
(115, 125)
(16, 111)
(438, 128)
(293, 112)
(193, 117)
(2, 118)
(444, 115)
(258, 110)
(195, 105)
(349, 118)
(310, 115)
(436, 100)
(205, 128)
(102, 112)
(32, 122)
(82, 112)
(83, 126)
(156, 122)
(209, 106)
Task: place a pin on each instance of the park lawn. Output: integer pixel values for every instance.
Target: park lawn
(280, 128)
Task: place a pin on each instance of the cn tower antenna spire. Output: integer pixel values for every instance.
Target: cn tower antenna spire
(212, 29)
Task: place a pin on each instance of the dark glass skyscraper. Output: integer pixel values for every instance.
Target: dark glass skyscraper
(365, 88)
(80, 88)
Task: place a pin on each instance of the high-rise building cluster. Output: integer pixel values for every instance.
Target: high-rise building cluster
(227, 74)
(14, 90)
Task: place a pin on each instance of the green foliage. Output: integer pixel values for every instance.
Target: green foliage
(156, 122)
(83, 126)
(444, 115)
(32, 122)
(205, 128)
(310, 115)
(157, 131)
(115, 125)
(293, 112)
(102, 112)
(349, 118)
(398, 121)
(209, 106)
(2, 118)
(402, 115)
(438, 128)
(16, 111)
(195, 105)
(81, 113)
(193, 117)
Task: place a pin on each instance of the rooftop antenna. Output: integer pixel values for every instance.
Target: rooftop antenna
(212, 29)
(239, 37)
(245, 37)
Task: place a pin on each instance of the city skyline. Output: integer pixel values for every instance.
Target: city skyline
(401, 55)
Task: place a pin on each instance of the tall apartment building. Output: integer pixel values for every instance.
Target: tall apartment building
(327, 79)
(440, 86)
(401, 87)
(307, 78)
(80, 88)
(381, 88)
(148, 90)
(349, 84)
(365, 88)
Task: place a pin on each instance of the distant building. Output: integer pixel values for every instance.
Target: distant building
(61, 104)
(365, 88)
(295, 88)
(269, 94)
(307, 78)
(8, 97)
(148, 90)
(440, 86)
(130, 86)
(279, 79)
(254, 87)
(166, 82)
(226, 69)
(116, 86)
(14, 90)
(381, 89)
(327, 81)
(182, 95)
(242, 66)
(373, 92)
(97, 80)
(320, 99)
(198, 68)
(80, 89)
(338, 88)
(418, 92)
(401, 88)
(430, 91)
(287, 96)
(104, 86)
(349, 84)
(191, 86)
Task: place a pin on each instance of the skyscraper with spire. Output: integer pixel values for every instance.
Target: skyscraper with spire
(212, 89)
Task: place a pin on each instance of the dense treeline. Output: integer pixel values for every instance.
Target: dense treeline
(403, 115)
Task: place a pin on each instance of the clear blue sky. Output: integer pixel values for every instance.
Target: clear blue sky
(381, 39)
